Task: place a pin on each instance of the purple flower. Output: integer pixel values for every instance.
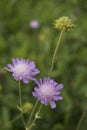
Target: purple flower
(22, 69)
(34, 24)
(48, 91)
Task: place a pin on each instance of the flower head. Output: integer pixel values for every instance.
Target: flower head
(27, 106)
(22, 69)
(64, 23)
(48, 91)
(34, 24)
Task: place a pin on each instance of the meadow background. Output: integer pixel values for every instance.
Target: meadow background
(18, 39)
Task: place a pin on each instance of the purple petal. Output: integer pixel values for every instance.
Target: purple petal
(57, 93)
(52, 82)
(25, 81)
(36, 71)
(10, 66)
(57, 98)
(53, 104)
(36, 81)
(34, 94)
(27, 61)
(16, 78)
(44, 79)
(32, 64)
(41, 82)
(14, 61)
(48, 79)
(60, 98)
(36, 89)
(55, 84)
(60, 86)
(43, 101)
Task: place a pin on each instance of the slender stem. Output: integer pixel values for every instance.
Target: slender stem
(31, 115)
(53, 59)
(20, 102)
(82, 116)
(35, 118)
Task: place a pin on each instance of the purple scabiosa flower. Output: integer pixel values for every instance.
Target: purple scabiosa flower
(34, 24)
(22, 69)
(48, 91)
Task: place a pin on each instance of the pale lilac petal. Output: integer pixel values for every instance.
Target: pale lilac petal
(10, 66)
(34, 94)
(41, 81)
(36, 89)
(44, 102)
(25, 81)
(57, 92)
(60, 98)
(55, 98)
(44, 80)
(14, 61)
(32, 65)
(36, 81)
(35, 71)
(51, 81)
(53, 104)
(60, 86)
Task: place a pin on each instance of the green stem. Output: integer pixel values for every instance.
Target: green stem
(31, 115)
(35, 118)
(53, 59)
(82, 116)
(20, 102)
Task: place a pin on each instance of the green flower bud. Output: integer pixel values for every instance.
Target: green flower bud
(64, 23)
(27, 107)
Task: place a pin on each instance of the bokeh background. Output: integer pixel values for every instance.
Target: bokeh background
(19, 39)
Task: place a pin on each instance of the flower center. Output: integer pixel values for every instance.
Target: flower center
(46, 90)
(21, 69)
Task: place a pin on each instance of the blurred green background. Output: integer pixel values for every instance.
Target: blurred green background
(19, 39)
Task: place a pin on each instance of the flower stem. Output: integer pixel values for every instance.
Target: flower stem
(82, 116)
(20, 102)
(35, 118)
(53, 59)
(31, 115)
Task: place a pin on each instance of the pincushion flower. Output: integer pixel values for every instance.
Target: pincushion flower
(34, 24)
(22, 69)
(48, 91)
